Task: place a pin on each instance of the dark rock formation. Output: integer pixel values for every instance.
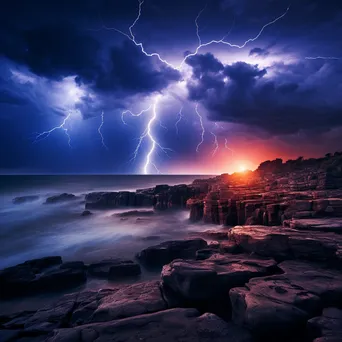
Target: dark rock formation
(284, 243)
(25, 199)
(134, 213)
(275, 192)
(323, 225)
(328, 327)
(73, 265)
(206, 283)
(161, 197)
(196, 207)
(159, 255)
(86, 213)
(282, 304)
(185, 325)
(111, 200)
(204, 254)
(128, 301)
(114, 268)
(60, 198)
(39, 275)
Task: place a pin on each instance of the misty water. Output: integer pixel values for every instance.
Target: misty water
(35, 229)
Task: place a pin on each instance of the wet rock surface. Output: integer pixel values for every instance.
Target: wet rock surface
(114, 268)
(284, 243)
(159, 255)
(206, 283)
(60, 198)
(285, 302)
(271, 273)
(38, 275)
(169, 325)
(327, 327)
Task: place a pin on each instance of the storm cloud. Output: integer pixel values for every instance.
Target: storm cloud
(281, 99)
(59, 51)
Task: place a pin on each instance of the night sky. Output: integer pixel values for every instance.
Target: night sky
(269, 85)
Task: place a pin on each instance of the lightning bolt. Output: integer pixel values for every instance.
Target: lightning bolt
(133, 114)
(180, 117)
(197, 26)
(153, 141)
(218, 126)
(44, 135)
(148, 134)
(201, 45)
(100, 131)
(326, 58)
(148, 131)
(202, 127)
(215, 143)
(226, 146)
(162, 126)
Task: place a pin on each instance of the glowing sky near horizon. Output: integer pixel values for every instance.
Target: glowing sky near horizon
(277, 96)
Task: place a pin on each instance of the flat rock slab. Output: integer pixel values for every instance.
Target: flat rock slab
(87, 307)
(324, 225)
(165, 252)
(114, 269)
(130, 301)
(40, 275)
(327, 327)
(285, 243)
(184, 325)
(205, 280)
(282, 304)
(216, 234)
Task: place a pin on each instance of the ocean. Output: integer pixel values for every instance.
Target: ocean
(34, 229)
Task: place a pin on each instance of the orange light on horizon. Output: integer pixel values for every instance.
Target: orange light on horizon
(242, 168)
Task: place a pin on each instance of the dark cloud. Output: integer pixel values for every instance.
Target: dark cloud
(281, 99)
(128, 70)
(259, 52)
(55, 52)
(204, 64)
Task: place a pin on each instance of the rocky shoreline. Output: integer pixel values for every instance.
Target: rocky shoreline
(272, 271)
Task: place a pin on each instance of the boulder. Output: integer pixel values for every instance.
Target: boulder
(39, 275)
(327, 327)
(114, 268)
(282, 304)
(86, 213)
(60, 198)
(73, 265)
(186, 325)
(128, 301)
(89, 306)
(209, 280)
(165, 252)
(25, 199)
(203, 254)
(284, 243)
